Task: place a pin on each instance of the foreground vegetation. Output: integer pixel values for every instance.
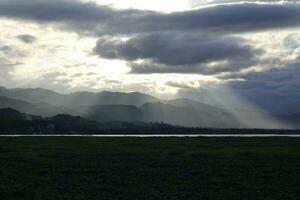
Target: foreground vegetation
(149, 168)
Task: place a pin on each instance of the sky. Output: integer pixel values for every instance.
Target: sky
(228, 52)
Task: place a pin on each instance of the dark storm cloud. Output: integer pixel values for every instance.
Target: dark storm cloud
(231, 18)
(275, 97)
(275, 90)
(26, 38)
(177, 53)
(97, 19)
(281, 77)
(73, 15)
(54, 10)
(175, 49)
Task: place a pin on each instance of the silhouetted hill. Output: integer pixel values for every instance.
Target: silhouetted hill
(12, 121)
(15, 122)
(11, 114)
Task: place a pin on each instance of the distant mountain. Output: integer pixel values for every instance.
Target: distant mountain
(33, 96)
(105, 113)
(43, 109)
(191, 116)
(107, 98)
(210, 114)
(77, 99)
(137, 107)
(130, 107)
(23, 106)
(159, 112)
(189, 103)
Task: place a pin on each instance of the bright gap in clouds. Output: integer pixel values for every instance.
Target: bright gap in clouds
(157, 5)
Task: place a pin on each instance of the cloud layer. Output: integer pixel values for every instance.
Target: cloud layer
(178, 53)
(91, 17)
(218, 40)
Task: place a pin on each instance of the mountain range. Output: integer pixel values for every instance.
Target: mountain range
(108, 106)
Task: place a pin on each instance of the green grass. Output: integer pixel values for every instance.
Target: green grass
(149, 168)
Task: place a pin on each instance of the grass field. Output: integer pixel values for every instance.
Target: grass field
(149, 168)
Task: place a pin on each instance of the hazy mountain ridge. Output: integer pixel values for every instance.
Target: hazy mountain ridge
(113, 112)
(6, 102)
(39, 95)
(43, 109)
(132, 107)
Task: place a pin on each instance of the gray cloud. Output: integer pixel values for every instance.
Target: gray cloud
(9, 51)
(176, 53)
(77, 75)
(6, 68)
(197, 3)
(167, 42)
(227, 66)
(91, 74)
(74, 15)
(275, 90)
(93, 18)
(231, 18)
(273, 75)
(8, 65)
(9, 60)
(26, 38)
(175, 49)
(181, 85)
(275, 78)
(53, 11)
(292, 41)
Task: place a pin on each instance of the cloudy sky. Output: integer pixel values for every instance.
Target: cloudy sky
(222, 51)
